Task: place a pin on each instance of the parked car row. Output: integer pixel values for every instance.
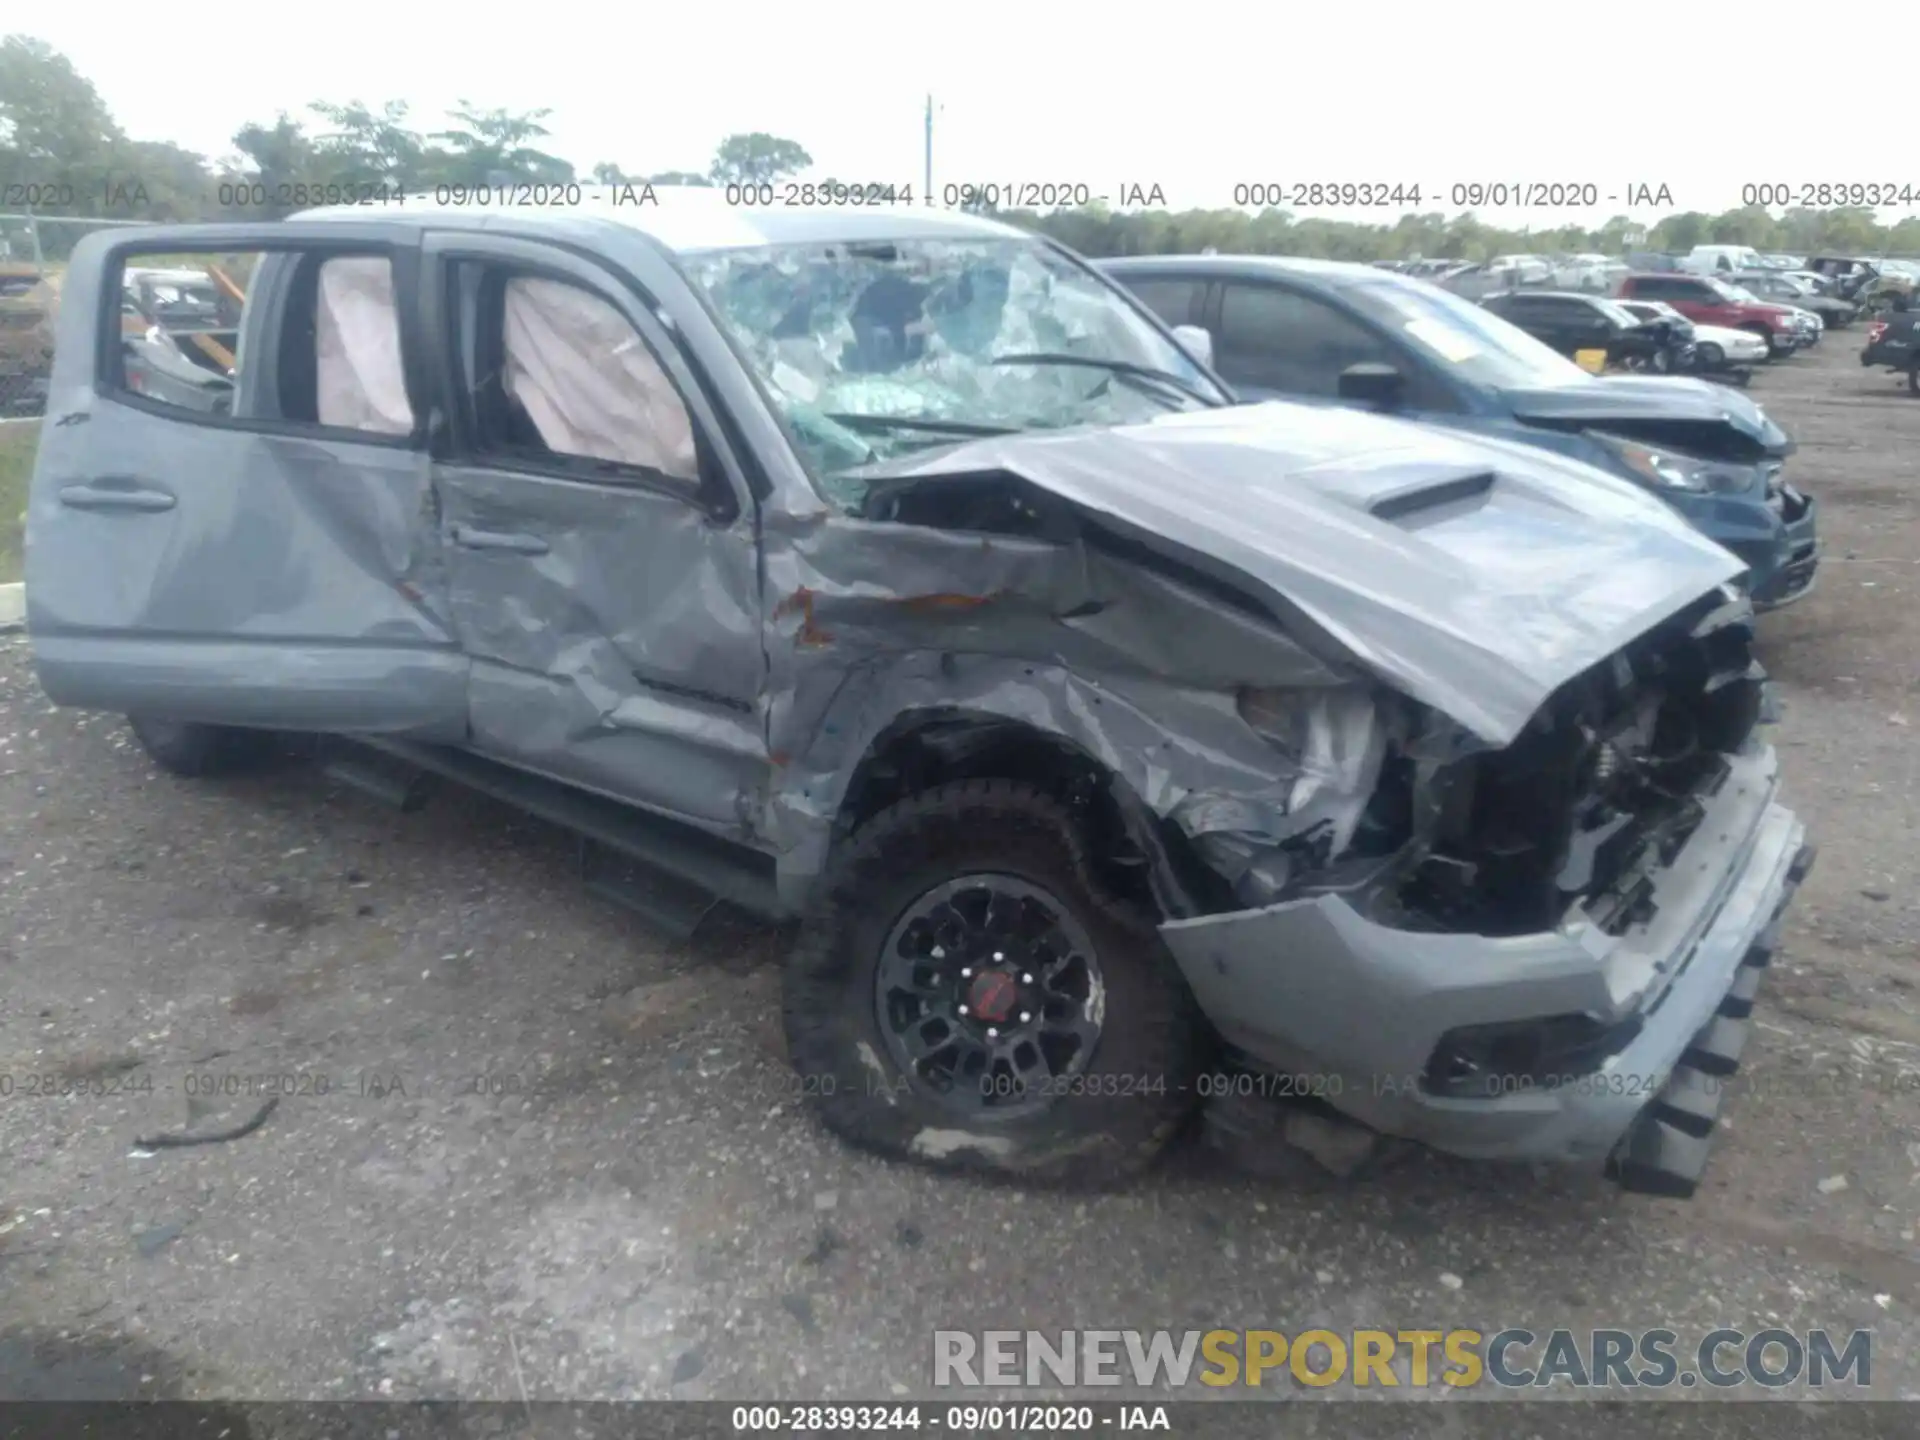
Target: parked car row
(1099, 719)
(1709, 300)
(1835, 289)
(1599, 330)
(1586, 272)
(1893, 342)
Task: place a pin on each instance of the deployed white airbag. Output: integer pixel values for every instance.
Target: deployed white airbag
(357, 334)
(590, 386)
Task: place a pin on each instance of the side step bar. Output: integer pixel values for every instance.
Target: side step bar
(1665, 1150)
(404, 787)
(668, 872)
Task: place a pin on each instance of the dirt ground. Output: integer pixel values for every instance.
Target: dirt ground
(560, 1158)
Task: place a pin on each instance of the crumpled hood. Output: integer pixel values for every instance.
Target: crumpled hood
(1596, 401)
(1475, 575)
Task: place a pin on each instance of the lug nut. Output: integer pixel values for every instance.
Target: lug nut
(1026, 979)
(1025, 1016)
(939, 952)
(966, 972)
(998, 956)
(992, 1034)
(963, 1009)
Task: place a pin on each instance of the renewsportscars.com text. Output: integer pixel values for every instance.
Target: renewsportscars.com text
(1511, 1358)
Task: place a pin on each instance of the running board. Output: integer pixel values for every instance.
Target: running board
(670, 906)
(662, 869)
(404, 787)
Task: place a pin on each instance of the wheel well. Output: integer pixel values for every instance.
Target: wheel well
(1136, 855)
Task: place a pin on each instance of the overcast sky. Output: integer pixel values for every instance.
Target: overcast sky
(1195, 98)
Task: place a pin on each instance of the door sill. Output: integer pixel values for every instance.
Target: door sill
(707, 864)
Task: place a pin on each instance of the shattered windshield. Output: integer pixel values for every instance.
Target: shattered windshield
(872, 351)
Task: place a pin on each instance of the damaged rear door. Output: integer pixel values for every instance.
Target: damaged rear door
(600, 534)
(255, 548)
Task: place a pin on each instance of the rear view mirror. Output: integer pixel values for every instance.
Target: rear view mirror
(1371, 383)
(1197, 341)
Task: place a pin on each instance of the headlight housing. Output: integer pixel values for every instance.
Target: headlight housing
(1665, 470)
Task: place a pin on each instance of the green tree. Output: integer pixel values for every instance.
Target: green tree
(1681, 232)
(370, 147)
(56, 133)
(276, 155)
(678, 177)
(1611, 238)
(757, 157)
(486, 146)
(166, 182)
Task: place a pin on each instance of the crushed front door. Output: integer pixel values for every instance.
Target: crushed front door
(602, 552)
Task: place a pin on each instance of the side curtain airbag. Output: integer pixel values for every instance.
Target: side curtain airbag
(360, 383)
(579, 369)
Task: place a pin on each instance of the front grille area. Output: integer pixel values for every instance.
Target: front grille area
(1602, 789)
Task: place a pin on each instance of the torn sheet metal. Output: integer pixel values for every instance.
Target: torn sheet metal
(1133, 668)
(618, 637)
(1333, 743)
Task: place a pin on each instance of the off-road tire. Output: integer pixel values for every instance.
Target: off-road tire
(190, 749)
(1151, 1042)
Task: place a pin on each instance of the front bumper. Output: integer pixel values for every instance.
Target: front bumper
(1316, 990)
(1665, 1149)
(1793, 560)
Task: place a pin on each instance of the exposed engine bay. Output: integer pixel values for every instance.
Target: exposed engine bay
(1600, 791)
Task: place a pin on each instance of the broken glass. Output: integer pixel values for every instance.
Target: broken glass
(930, 333)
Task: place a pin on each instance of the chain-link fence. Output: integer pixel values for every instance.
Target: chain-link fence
(33, 265)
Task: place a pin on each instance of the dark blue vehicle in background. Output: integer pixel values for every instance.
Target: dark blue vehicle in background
(1315, 330)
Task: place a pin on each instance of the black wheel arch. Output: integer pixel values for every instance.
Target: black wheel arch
(1137, 855)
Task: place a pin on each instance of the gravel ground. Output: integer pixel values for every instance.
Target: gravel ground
(558, 1157)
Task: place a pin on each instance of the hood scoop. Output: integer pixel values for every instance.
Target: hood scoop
(1424, 495)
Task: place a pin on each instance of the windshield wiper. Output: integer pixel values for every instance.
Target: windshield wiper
(1124, 369)
(880, 424)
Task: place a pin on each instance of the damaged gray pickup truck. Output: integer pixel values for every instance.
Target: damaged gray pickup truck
(893, 571)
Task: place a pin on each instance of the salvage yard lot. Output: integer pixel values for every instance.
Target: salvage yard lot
(555, 1151)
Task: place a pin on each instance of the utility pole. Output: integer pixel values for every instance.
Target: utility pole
(929, 190)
